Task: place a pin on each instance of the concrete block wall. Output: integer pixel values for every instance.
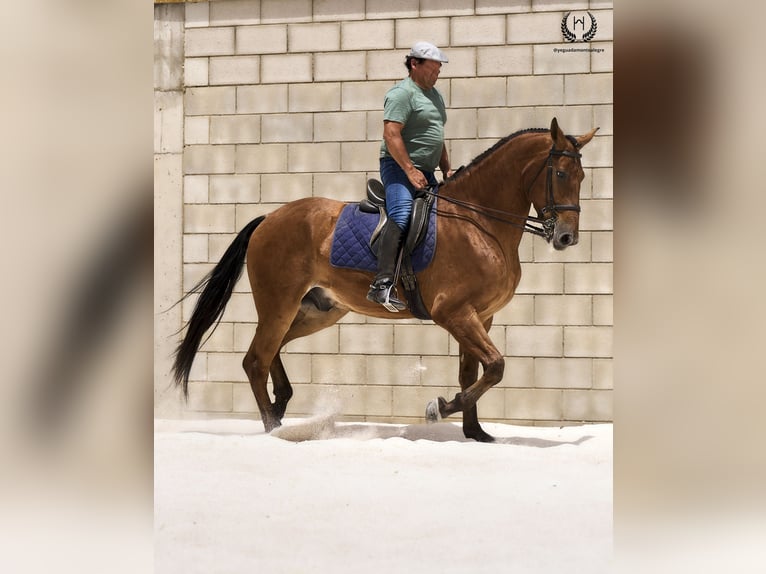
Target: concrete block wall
(282, 99)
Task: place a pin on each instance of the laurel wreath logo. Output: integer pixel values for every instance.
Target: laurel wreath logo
(588, 36)
(570, 36)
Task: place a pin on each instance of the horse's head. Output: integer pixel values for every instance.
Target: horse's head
(556, 196)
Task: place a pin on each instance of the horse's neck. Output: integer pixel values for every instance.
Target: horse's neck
(498, 181)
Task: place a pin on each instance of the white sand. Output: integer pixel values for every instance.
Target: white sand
(333, 497)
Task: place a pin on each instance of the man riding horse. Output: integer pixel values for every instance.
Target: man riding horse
(413, 146)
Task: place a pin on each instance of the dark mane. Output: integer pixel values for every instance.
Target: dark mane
(485, 154)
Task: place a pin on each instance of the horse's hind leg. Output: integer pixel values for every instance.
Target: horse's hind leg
(317, 312)
(274, 322)
(257, 363)
(283, 390)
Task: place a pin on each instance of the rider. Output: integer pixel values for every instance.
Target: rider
(413, 146)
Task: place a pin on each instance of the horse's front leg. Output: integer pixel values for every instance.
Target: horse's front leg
(475, 347)
(469, 372)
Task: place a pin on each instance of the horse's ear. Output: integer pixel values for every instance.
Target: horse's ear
(558, 137)
(582, 140)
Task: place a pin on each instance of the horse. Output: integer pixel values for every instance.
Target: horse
(482, 211)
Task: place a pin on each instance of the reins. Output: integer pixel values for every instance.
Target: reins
(501, 215)
(541, 226)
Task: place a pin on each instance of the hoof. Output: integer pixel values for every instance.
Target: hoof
(479, 436)
(433, 414)
(270, 425)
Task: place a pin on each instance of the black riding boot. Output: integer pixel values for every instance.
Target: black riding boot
(380, 290)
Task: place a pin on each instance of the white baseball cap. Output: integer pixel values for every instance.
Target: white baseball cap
(428, 51)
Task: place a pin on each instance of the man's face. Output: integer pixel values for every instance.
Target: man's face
(426, 74)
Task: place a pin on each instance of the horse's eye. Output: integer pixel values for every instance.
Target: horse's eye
(561, 174)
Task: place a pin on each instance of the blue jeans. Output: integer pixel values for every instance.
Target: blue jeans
(399, 191)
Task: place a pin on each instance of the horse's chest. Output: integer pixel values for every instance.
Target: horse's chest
(507, 283)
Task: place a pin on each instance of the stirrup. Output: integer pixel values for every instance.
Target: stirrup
(381, 293)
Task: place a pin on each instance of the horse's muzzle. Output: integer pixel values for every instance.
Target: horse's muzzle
(565, 236)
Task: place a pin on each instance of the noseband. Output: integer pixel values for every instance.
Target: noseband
(543, 226)
(551, 210)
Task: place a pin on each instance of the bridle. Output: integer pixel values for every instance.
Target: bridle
(552, 209)
(542, 226)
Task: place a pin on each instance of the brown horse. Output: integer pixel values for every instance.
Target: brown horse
(482, 213)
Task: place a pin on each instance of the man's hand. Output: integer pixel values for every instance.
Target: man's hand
(416, 177)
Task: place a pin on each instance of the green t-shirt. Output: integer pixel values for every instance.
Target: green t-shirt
(423, 116)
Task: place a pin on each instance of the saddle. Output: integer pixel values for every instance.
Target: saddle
(375, 202)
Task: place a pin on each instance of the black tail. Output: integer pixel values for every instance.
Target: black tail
(216, 288)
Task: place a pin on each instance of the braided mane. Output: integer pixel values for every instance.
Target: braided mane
(485, 154)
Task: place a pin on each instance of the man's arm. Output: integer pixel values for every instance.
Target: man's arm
(392, 135)
(444, 163)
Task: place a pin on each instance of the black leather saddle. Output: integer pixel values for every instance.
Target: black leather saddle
(375, 202)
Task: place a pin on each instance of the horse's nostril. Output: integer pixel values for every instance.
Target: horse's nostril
(566, 239)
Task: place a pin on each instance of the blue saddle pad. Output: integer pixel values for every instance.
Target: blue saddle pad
(351, 241)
